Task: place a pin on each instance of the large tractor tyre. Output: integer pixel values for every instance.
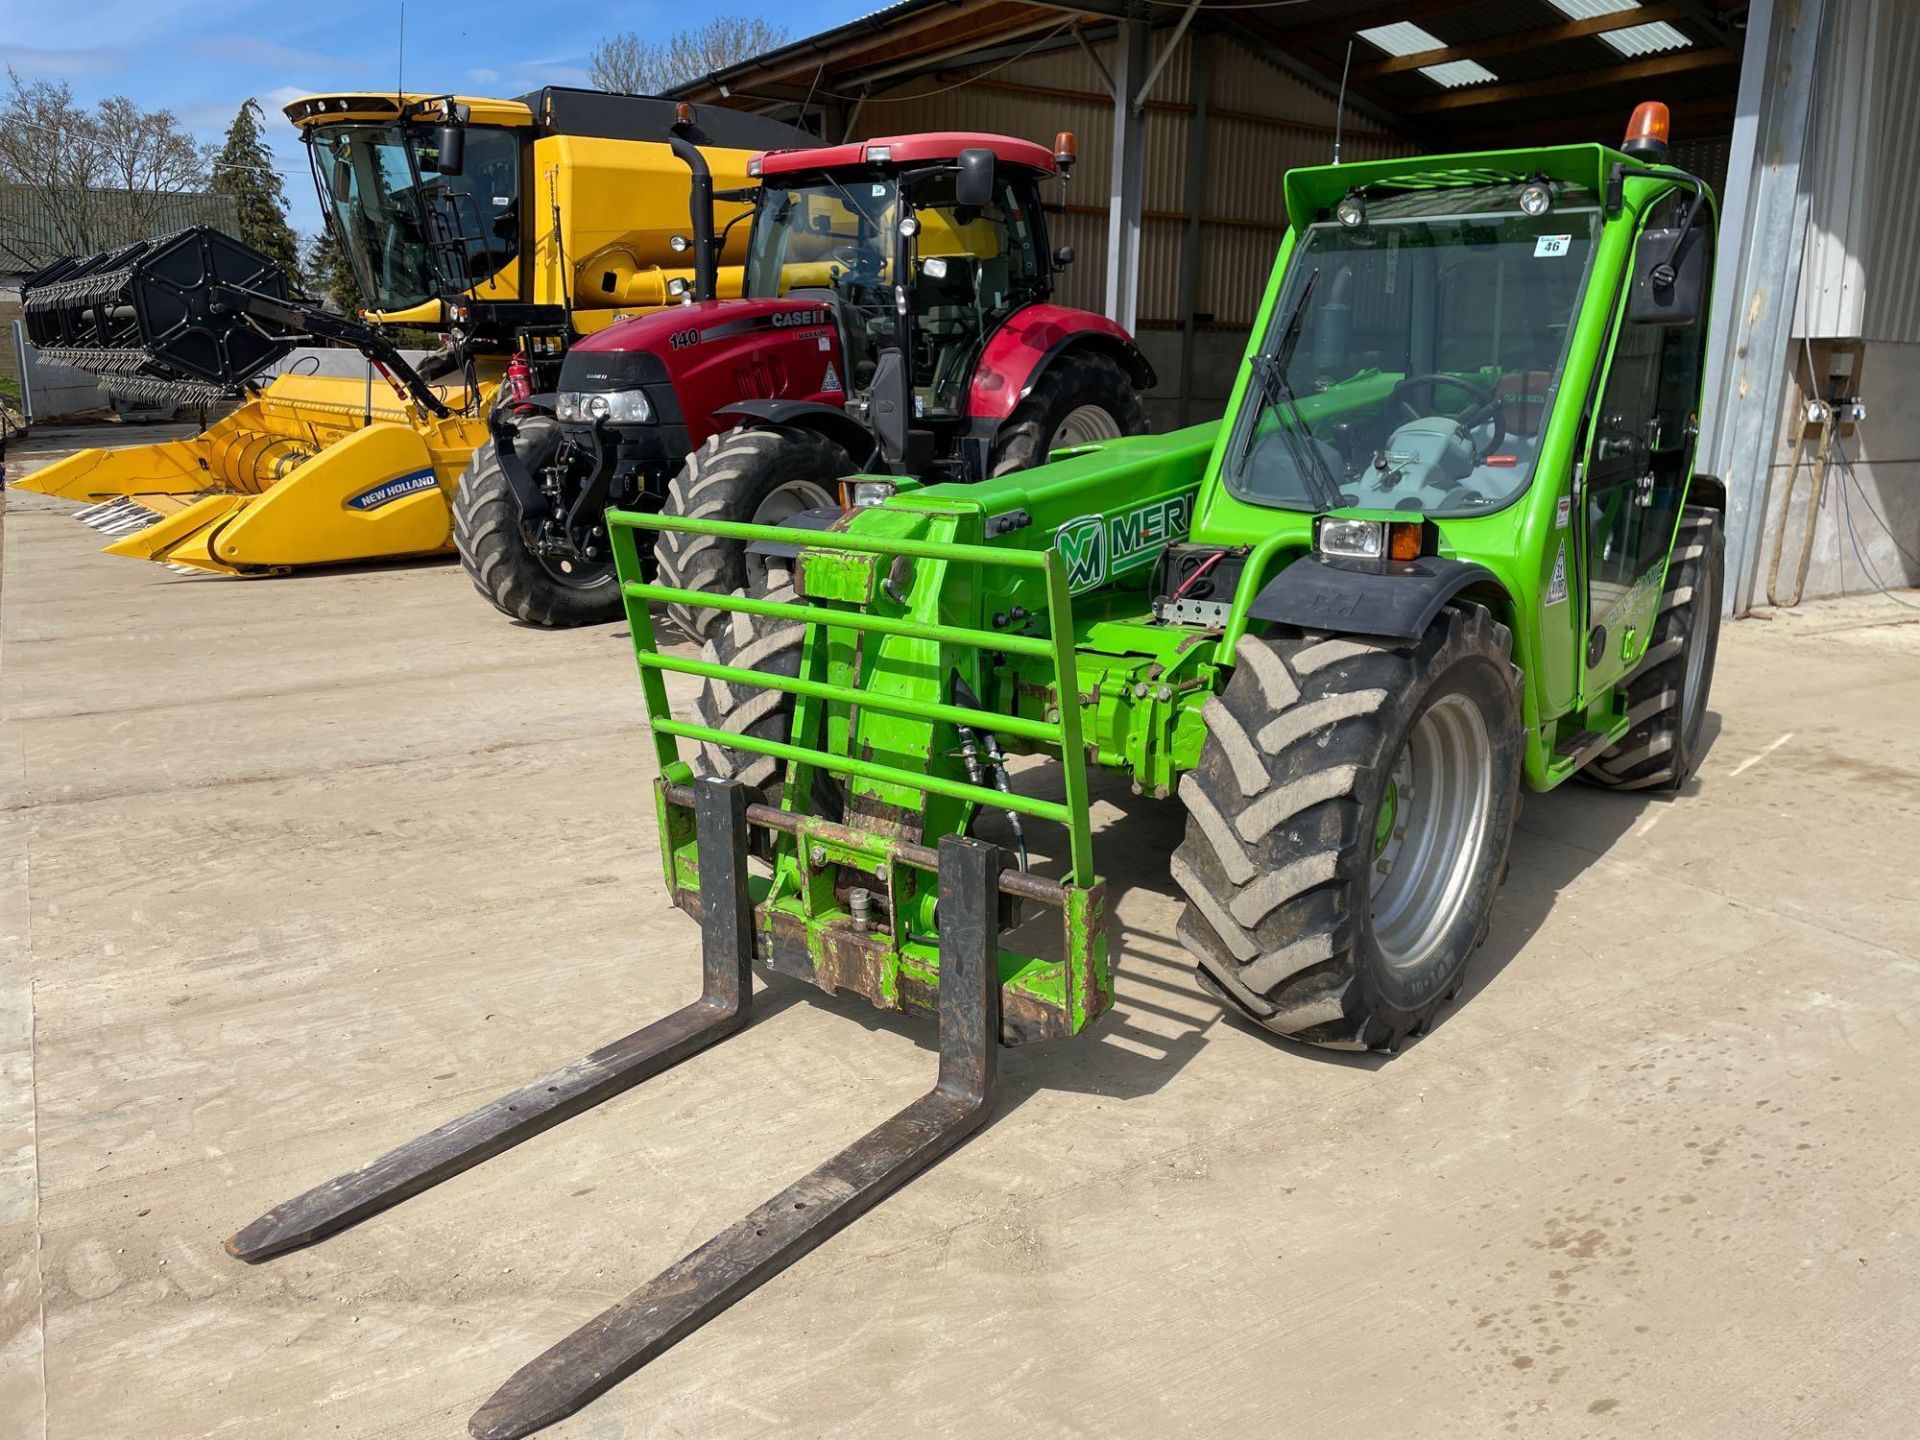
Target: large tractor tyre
(1667, 692)
(1348, 826)
(538, 589)
(1078, 400)
(760, 477)
(768, 646)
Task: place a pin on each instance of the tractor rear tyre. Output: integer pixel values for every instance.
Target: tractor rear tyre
(1078, 400)
(771, 647)
(538, 589)
(1348, 826)
(760, 477)
(1667, 692)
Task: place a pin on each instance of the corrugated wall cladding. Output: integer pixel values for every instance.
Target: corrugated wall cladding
(1271, 123)
(1860, 275)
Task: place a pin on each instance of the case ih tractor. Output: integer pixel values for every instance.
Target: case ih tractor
(1447, 544)
(895, 319)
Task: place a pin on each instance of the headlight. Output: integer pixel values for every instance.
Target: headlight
(1351, 539)
(1352, 209)
(1536, 198)
(873, 492)
(616, 407)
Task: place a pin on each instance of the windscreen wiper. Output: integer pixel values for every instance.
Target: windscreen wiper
(1276, 393)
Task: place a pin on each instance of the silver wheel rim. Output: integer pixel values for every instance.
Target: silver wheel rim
(790, 500)
(1441, 792)
(1087, 425)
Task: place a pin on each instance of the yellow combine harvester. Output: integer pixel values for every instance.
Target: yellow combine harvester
(510, 227)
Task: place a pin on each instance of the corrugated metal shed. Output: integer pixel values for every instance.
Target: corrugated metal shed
(33, 234)
(1860, 275)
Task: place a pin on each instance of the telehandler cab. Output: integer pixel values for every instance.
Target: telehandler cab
(1448, 541)
(896, 316)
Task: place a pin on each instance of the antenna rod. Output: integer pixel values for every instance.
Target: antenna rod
(1340, 105)
(400, 65)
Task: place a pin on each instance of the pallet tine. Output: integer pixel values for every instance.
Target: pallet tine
(724, 1006)
(690, 1292)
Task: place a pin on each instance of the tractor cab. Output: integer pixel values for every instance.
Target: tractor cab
(924, 244)
(1418, 345)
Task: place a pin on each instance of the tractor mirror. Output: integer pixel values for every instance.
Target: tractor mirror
(890, 411)
(342, 178)
(973, 189)
(1062, 257)
(1669, 277)
(452, 141)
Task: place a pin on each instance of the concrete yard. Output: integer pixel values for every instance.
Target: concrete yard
(297, 869)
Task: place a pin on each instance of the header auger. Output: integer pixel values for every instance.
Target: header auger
(511, 227)
(1448, 541)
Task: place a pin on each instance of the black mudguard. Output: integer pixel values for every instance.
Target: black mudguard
(1395, 598)
(828, 420)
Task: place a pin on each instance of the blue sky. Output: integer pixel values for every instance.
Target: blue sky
(202, 60)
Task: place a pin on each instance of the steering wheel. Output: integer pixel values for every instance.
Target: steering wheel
(1484, 405)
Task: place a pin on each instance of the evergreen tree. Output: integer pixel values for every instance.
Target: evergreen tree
(329, 274)
(244, 170)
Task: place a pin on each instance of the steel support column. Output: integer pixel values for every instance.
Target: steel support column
(1131, 55)
(1763, 235)
(1196, 203)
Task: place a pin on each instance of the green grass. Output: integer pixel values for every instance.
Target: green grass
(9, 388)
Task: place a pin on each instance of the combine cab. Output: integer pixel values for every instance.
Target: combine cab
(510, 227)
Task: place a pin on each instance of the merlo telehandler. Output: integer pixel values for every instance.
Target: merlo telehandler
(512, 228)
(1446, 544)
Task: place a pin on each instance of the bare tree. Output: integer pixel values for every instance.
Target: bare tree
(630, 65)
(96, 177)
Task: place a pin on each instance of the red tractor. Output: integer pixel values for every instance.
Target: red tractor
(895, 320)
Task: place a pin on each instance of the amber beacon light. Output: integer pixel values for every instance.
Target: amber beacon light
(1648, 131)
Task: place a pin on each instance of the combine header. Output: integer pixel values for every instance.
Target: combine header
(1342, 628)
(509, 227)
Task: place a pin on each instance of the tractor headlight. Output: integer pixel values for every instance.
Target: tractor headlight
(616, 407)
(1536, 199)
(1350, 539)
(1352, 209)
(869, 492)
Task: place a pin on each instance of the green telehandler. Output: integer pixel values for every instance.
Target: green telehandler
(1446, 543)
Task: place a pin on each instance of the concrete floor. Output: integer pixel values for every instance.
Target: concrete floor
(296, 869)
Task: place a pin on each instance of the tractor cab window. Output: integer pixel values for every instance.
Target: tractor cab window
(1413, 358)
(830, 239)
(411, 233)
(971, 269)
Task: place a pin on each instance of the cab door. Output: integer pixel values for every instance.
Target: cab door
(1640, 446)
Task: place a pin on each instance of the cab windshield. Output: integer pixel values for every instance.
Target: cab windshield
(1413, 358)
(968, 268)
(412, 234)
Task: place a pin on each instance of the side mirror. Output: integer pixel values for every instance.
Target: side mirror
(973, 188)
(342, 185)
(1062, 257)
(1670, 276)
(452, 142)
(891, 415)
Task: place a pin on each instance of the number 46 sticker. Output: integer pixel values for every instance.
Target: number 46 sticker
(1546, 245)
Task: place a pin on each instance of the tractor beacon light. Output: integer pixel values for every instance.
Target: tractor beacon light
(1066, 150)
(1352, 209)
(1648, 131)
